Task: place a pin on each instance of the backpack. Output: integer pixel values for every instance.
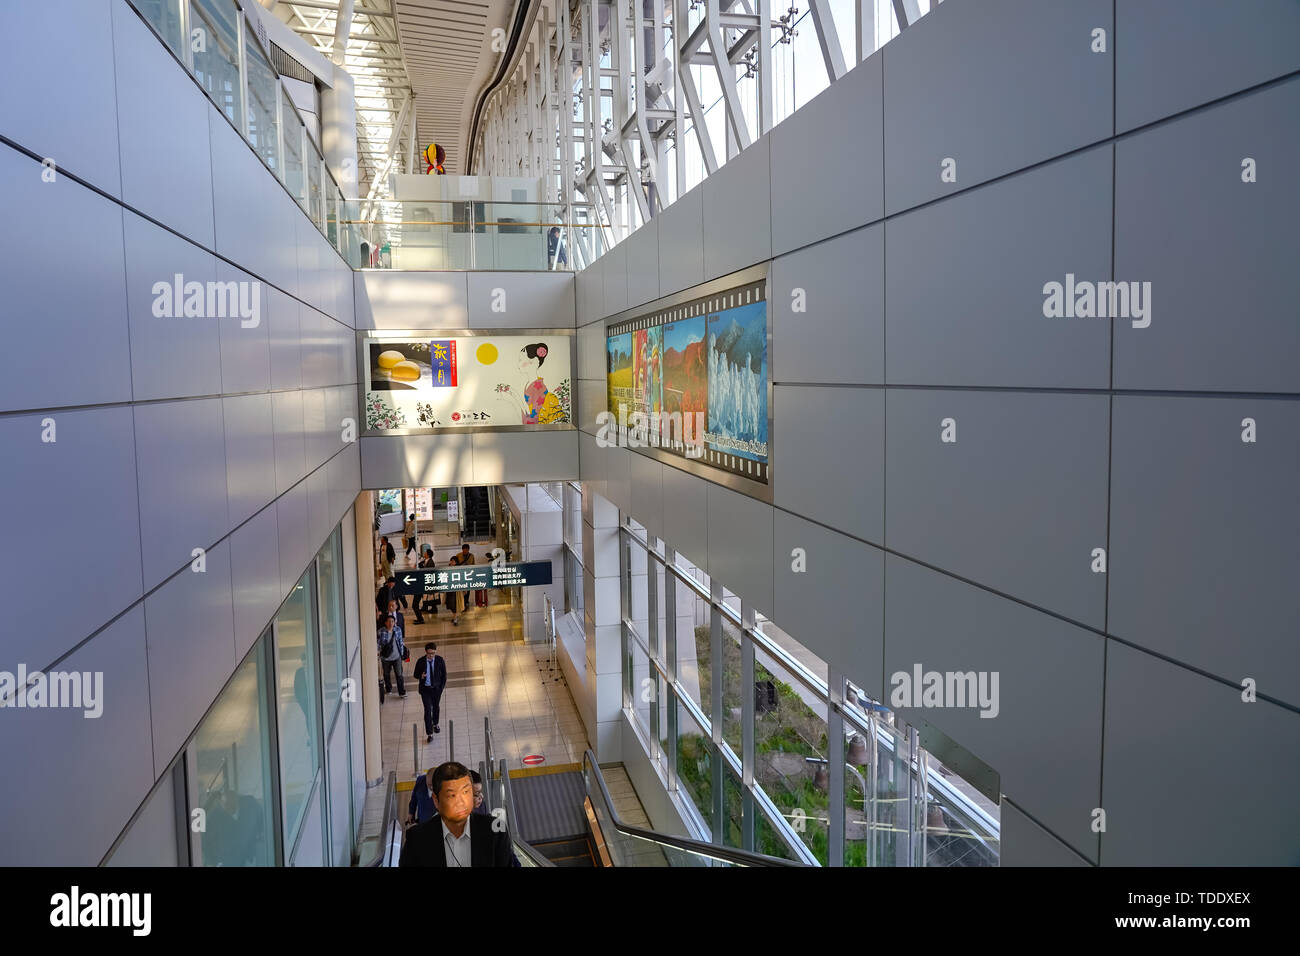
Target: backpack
(386, 648)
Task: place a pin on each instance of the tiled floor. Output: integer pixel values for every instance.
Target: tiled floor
(626, 804)
(490, 673)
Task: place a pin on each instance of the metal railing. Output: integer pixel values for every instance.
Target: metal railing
(389, 841)
(688, 852)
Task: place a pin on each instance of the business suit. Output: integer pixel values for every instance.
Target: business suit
(424, 844)
(431, 695)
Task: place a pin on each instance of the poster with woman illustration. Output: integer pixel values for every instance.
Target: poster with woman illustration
(464, 381)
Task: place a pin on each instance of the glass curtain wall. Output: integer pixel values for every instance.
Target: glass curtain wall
(213, 40)
(231, 784)
(702, 666)
(261, 785)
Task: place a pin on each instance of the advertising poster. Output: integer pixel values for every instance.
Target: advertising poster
(647, 376)
(420, 500)
(737, 358)
(692, 379)
(618, 354)
(686, 380)
(470, 380)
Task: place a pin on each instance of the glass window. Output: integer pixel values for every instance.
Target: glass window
(297, 697)
(733, 694)
(165, 17)
(662, 580)
(642, 688)
(781, 639)
(767, 840)
(790, 728)
(214, 40)
(293, 139)
(340, 791)
(333, 653)
(331, 215)
(693, 665)
(310, 850)
(315, 208)
(263, 127)
(693, 572)
(695, 763)
(665, 702)
(636, 527)
(876, 816)
(733, 805)
(229, 762)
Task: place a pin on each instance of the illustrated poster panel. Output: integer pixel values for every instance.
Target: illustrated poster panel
(737, 395)
(466, 381)
(686, 384)
(647, 372)
(618, 372)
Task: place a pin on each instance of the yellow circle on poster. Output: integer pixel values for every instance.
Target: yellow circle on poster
(486, 354)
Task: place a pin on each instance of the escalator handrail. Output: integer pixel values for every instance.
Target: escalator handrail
(520, 845)
(698, 847)
(390, 801)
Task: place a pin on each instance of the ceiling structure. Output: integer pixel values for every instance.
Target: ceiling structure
(451, 53)
(373, 56)
(419, 67)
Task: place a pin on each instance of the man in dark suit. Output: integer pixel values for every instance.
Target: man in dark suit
(455, 836)
(431, 678)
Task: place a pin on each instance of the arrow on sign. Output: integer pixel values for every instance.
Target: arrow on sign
(407, 580)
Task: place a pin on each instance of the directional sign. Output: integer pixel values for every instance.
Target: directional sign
(474, 577)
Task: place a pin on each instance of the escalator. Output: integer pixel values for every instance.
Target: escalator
(567, 818)
(477, 521)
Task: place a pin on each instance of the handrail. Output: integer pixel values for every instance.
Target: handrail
(698, 847)
(390, 803)
(527, 848)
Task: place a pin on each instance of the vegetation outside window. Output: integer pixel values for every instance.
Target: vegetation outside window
(695, 763)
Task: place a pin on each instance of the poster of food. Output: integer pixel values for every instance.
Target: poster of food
(453, 382)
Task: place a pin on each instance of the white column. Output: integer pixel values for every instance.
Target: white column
(338, 122)
(603, 622)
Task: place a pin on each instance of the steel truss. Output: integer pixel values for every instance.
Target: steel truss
(604, 95)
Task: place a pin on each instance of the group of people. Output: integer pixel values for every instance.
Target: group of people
(449, 824)
(457, 602)
(430, 674)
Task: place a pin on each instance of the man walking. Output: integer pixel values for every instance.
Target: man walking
(391, 652)
(462, 597)
(410, 535)
(431, 678)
